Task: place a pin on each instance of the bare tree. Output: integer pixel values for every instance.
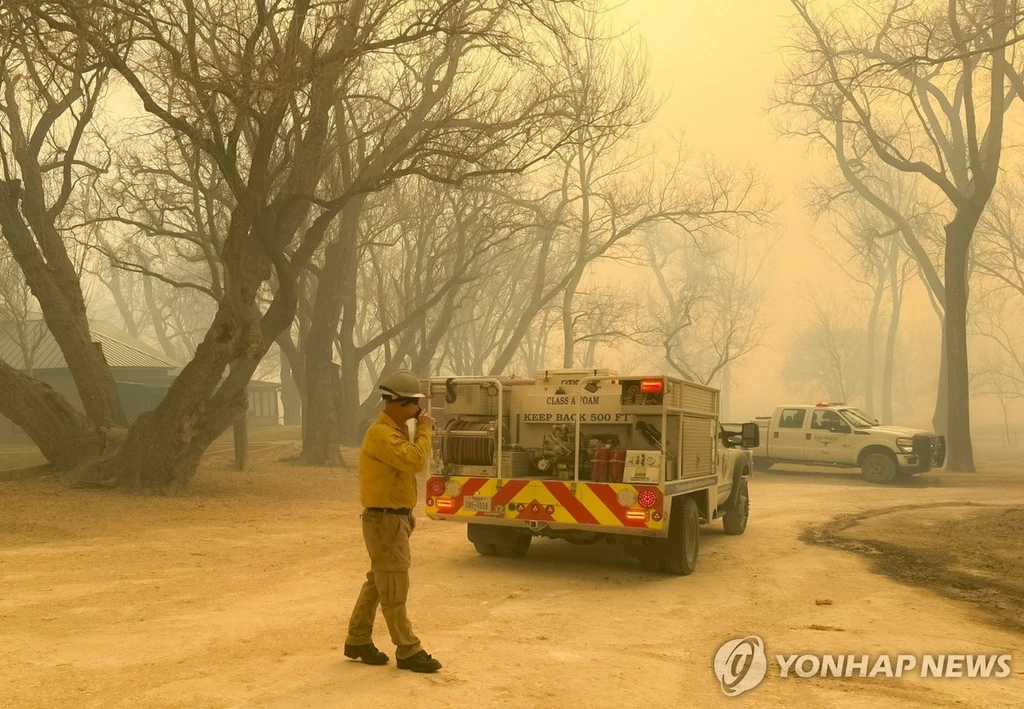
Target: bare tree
(261, 110)
(435, 243)
(51, 85)
(438, 121)
(533, 352)
(493, 307)
(159, 222)
(874, 255)
(828, 357)
(606, 316)
(608, 189)
(925, 88)
(707, 303)
(999, 252)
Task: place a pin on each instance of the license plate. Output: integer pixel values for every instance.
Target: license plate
(477, 504)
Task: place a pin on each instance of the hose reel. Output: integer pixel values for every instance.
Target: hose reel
(469, 442)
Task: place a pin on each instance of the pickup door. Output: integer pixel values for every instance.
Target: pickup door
(787, 439)
(829, 437)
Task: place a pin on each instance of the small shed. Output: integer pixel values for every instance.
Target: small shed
(264, 409)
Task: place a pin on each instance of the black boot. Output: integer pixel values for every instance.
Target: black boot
(420, 662)
(369, 654)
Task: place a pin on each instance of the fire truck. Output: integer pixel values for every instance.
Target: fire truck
(585, 456)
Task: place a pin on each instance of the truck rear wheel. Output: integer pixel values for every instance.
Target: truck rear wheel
(485, 549)
(498, 541)
(517, 546)
(879, 468)
(735, 520)
(685, 522)
(651, 566)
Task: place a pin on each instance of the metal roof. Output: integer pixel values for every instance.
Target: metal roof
(120, 349)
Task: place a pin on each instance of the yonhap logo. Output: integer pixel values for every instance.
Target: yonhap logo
(741, 665)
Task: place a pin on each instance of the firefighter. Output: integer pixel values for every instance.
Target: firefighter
(388, 463)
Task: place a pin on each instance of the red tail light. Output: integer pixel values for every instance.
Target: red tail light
(651, 385)
(647, 499)
(435, 487)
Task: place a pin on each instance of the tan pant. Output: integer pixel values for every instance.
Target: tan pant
(387, 583)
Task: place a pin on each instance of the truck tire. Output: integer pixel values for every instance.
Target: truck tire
(514, 547)
(485, 549)
(651, 566)
(880, 468)
(735, 520)
(685, 521)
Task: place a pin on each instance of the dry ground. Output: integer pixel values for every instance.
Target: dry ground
(238, 595)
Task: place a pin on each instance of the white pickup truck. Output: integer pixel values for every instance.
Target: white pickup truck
(838, 435)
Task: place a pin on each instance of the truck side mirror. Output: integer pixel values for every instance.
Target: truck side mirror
(751, 435)
(840, 428)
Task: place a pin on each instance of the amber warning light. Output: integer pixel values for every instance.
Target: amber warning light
(651, 385)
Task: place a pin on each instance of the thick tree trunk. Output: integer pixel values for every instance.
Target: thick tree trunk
(321, 440)
(54, 283)
(961, 452)
(164, 446)
(321, 422)
(325, 426)
(63, 435)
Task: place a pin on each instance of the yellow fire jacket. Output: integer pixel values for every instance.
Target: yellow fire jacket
(388, 463)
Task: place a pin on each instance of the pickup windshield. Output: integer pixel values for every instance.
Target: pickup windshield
(858, 418)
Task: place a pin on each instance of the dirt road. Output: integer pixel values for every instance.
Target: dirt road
(238, 595)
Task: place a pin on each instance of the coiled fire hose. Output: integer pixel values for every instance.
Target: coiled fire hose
(469, 449)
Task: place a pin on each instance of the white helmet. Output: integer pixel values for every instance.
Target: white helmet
(402, 384)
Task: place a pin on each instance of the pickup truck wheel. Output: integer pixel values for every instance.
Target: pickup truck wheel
(685, 521)
(485, 549)
(651, 566)
(880, 468)
(516, 547)
(735, 520)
